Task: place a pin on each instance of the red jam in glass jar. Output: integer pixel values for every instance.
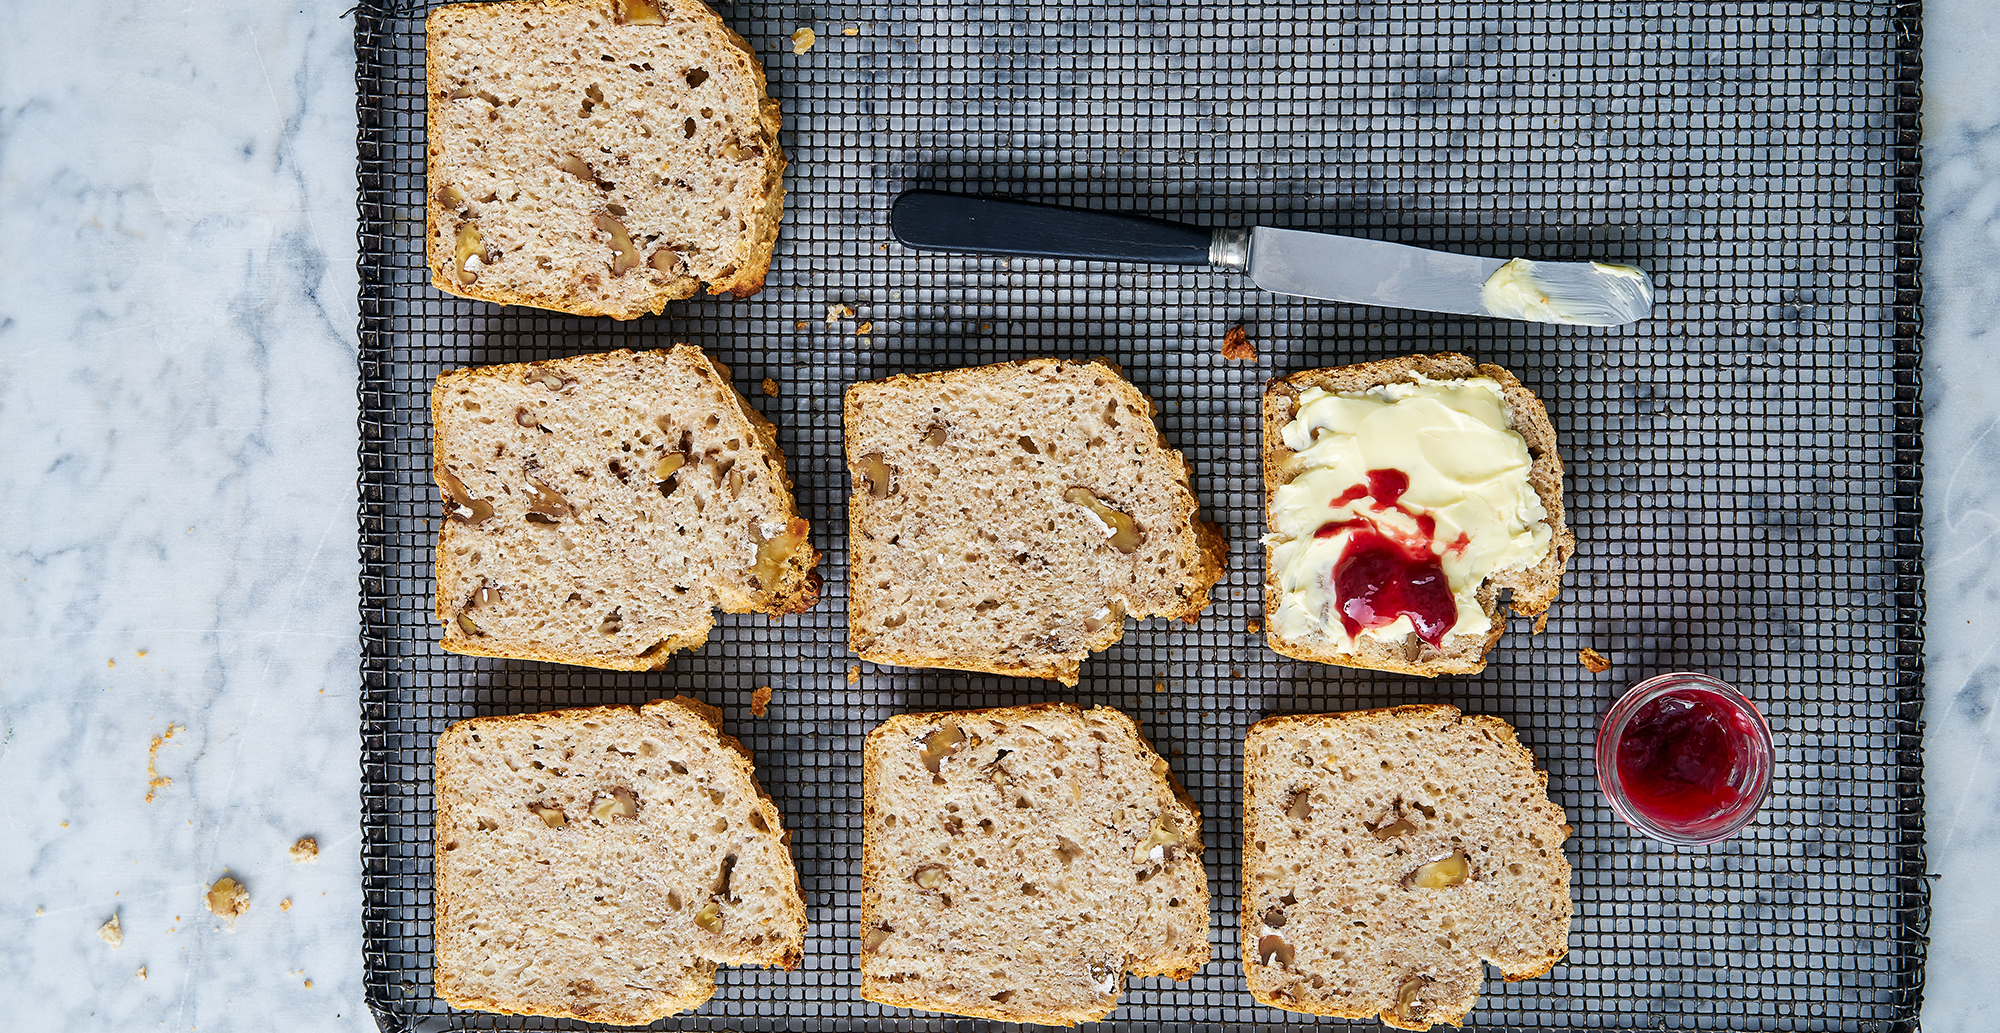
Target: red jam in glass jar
(1684, 759)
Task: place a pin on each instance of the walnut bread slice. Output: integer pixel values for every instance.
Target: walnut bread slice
(1408, 501)
(597, 864)
(1386, 852)
(1009, 518)
(597, 157)
(1016, 863)
(598, 508)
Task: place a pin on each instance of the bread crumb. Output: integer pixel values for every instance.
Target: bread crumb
(1236, 346)
(38, 910)
(1595, 661)
(309, 984)
(142, 973)
(864, 328)
(770, 388)
(110, 933)
(801, 325)
(305, 851)
(836, 313)
(110, 663)
(853, 675)
(1159, 686)
(1542, 622)
(1253, 626)
(228, 898)
(285, 904)
(760, 700)
(803, 40)
(154, 780)
(142, 654)
(850, 31)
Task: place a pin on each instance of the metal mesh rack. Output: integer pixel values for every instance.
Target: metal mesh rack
(1743, 468)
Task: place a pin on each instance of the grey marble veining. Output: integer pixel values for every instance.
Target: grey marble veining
(177, 469)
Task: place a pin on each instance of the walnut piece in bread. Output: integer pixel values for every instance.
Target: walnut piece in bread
(599, 507)
(597, 157)
(1403, 497)
(1386, 852)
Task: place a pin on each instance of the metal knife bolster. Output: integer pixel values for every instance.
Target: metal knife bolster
(1230, 249)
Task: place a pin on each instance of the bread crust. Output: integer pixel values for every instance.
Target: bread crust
(760, 237)
(785, 947)
(796, 585)
(1534, 589)
(1200, 550)
(881, 745)
(1539, 816)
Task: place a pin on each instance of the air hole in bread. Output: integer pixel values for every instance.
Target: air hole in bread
(695, 77)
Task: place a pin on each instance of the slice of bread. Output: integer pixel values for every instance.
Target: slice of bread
(1385, 852)
(597, 157)
(1016, 863)
(598, 508)
(1532, 588)
(597, 864)
(1009, 518)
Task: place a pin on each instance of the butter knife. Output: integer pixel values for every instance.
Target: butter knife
(1295, 262)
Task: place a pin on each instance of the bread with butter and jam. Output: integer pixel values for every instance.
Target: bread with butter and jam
(1402, 498)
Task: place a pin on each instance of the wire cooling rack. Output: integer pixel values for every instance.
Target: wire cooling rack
(1743, 467)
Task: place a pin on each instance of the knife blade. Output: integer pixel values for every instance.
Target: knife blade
(1291, 262)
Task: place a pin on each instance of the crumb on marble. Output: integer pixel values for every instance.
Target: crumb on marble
(305, 851)
(110, 932)
(142, 973)
(285, 904)
(309, 984)
(227, 898)
(760, 700)
(154, 780)
(38, 910)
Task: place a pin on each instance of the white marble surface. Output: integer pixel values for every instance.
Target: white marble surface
(177, 435)
(176, 493)
(1962, 511)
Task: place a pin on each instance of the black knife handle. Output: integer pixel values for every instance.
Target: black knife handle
(931, 220)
